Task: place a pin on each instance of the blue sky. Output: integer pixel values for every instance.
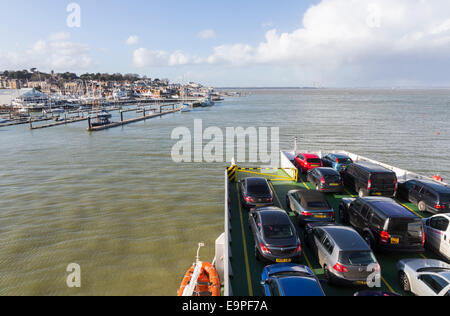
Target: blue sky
(247, 42)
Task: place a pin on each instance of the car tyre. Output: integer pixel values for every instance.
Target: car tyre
(369, 240)
(422, 206)
(404, 282)
(361, 193)
(342, 216)
(328, 275)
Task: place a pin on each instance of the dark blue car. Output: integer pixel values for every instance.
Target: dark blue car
(286, 279)
(338, 162)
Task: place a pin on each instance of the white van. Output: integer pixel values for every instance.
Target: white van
(437, 230)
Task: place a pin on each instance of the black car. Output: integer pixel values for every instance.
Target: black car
(256, 192)
(368, 179)
(428, 195)
(326, 180)
(276, 239)
(384, 224)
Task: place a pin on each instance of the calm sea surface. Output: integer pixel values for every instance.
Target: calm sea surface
(115, 203)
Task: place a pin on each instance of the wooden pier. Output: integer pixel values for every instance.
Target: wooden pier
(59, 123)
(14, 123)
(129, 121)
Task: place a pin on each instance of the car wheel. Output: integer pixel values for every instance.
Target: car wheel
(328, 275)
(257, 255)
(422, 206)
(288, 206)
(342, 215)
(361, 193)
(369, 241)
(404, 282)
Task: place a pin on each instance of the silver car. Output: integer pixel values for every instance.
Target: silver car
(424, 277)
(344, 255)
(437, 230)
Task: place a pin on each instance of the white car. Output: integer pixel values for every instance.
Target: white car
(437, 230)
(424, 277)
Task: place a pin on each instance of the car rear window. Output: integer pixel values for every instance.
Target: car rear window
(314, 160)
(318, 205)
(357, 258)
(278, 231)
(332, 178)
(412, 226)
(345, 160)
(384, 178)
(445, 198)
(258, 188)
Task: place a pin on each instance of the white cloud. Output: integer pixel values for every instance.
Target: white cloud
(143, 58)
(361, 41)
(207, 34)
(133, 40)
(56, 52)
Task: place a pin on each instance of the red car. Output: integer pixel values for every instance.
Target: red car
(306, 162)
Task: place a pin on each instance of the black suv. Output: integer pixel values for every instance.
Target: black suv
(370, 179)
(384, 224)
(428, 195)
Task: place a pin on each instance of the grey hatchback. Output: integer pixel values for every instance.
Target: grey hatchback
(343, 253)
(276, 239)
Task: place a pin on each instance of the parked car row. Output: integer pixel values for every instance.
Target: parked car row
(346, 253)
(334, 172)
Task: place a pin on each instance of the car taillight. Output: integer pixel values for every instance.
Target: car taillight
(299, 248)
(396, 185)
(249, 199)
(439, 207)
(264, 249)
(369, 185)
(332, 214)
(307, 214)
(340, 268)
(377, 268)
(423, 238)
(384, 237)
(322, 180)
(269, 200)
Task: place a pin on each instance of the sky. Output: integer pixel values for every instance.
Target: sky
(230, 43)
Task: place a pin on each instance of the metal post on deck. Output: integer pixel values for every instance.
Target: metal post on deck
(89, 122)
(121, 116)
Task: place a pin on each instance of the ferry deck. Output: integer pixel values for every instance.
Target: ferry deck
(240, 269)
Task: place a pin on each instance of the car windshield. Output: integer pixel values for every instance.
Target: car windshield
(314, 160)
(357, 258)
(345, 161)
(258, 188)
(278, 231)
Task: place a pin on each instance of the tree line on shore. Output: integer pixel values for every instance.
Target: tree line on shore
(34, 75)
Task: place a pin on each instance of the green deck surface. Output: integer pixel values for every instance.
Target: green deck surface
(247, 270)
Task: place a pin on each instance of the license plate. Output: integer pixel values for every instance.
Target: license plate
(395, 241)
(361, 283)
(334, 184)
(320, 216)
(378, 193)
(283, 260)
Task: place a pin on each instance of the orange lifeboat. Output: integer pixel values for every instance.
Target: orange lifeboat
(201, 279)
